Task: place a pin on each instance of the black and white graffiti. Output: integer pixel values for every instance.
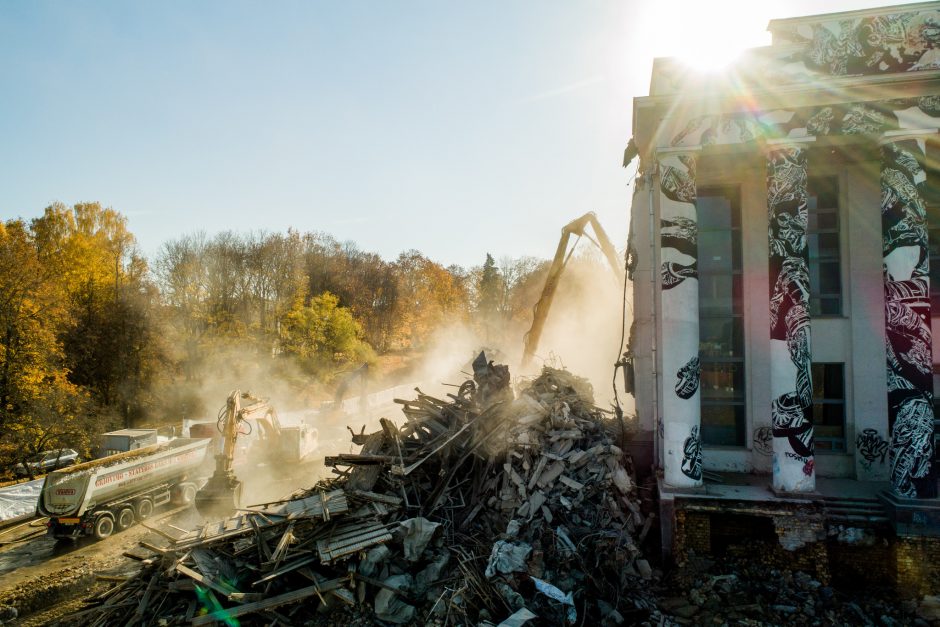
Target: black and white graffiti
(791, 410)
(679, 282)
(872, 447)
(896, 42)
(678, 184)
(681, 235)
(692, 456)
(763, 441)
(907, 320)
(871, 118)
(911, 451)
(790, 421)
(688, 377)
(675, 273)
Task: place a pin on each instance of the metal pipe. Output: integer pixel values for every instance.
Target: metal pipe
(654, 325)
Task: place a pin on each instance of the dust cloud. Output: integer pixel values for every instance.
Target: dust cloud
(582, 333)
(584, 327)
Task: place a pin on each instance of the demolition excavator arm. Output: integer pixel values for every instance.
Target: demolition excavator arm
(560, 261)
(221, 493)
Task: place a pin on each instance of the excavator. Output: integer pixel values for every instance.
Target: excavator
(560, 261)
(222, 493)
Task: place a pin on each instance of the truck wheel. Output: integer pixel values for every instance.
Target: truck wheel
(125, 518)
(104, 526)
(186, 494)
(144, 508)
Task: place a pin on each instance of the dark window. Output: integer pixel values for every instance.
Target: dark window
(721, 321)
(933, 243)
(822, 239)
(931, 192)
(829, 407)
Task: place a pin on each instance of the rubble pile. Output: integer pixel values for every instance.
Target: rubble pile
(740, 591)
(479, 509)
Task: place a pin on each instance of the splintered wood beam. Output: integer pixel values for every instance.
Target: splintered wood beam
(221, 588)
(267, 604)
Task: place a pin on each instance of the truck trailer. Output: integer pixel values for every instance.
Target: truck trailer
(113, 493)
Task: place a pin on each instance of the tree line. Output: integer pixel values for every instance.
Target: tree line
(93, 336)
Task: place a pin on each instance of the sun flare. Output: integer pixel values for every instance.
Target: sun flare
(706, 36)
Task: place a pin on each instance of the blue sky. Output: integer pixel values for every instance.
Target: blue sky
(453, 128)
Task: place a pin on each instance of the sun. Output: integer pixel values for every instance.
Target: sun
(706, 37)
(712, 59)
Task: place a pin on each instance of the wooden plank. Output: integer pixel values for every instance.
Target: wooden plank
(375, 496)
(266, 604)
(159, 532)
(286, 569)
(145, 599)
(219, 587)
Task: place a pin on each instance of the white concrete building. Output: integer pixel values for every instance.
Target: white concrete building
(785, 229)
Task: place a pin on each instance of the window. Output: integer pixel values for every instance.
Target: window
(933, 244)
(822, 239)
(829, 407)
(931, 192)
(721, 321)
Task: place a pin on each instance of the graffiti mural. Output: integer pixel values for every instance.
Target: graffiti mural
(688, 377)
(791, 379)
(896, 42)
(870, 118)
(679, 282)
(907, 319)
(872, 447)
(763, 440)
(692, 456)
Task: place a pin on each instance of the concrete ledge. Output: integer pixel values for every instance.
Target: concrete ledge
(912, 517)
(795, 496)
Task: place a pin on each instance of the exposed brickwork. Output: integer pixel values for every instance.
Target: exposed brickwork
(917, 565)
(855, 564)
(876, 558)
(693, 533)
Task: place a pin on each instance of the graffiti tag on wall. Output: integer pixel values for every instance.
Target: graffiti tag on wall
(872, 447)
(763, 440)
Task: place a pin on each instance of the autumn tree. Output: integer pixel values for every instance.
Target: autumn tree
(39, 406)
(428, 295)
(323, 335)
(106, 339)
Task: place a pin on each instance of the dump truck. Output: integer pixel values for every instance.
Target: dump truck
(111, 494)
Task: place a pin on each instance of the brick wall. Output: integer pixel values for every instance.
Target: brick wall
(857, 564)
(693, 533)
(910, 565)
(917, 564)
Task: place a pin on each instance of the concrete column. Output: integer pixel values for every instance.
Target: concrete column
(907, 314)
(791, 385)
(681, 408)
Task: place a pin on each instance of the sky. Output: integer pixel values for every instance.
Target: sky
(453, 128)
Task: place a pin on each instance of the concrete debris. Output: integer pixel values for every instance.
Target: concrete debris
(518, 618)
(507, 558)
(479, 509)
(741, 591)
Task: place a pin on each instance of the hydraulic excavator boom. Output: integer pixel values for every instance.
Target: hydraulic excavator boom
(222, 492)
(562, 255)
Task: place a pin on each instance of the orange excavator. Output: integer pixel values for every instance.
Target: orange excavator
(562, 256)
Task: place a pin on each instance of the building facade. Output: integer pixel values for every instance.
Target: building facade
(785, 229)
